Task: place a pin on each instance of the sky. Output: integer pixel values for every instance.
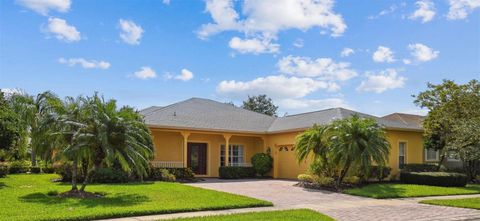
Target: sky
(307, 55)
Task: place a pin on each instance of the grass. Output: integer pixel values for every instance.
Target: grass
(390, 190)
(284, 215)
(472, 203)
(27, 197)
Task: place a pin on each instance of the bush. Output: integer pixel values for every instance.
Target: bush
(48, 169)
(19, 166)
(305, 178)
(35, 169)
(262, 163)
(434, 178)
(228, 172)
(3, 170)
(418, 167)
(323, 181)
(180, 174)
(353, 180)
(109, 175)
(379, 173)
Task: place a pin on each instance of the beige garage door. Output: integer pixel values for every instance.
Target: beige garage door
(288, 167)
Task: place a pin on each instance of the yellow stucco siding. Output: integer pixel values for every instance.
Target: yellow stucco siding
(169, 147)
(414, 148)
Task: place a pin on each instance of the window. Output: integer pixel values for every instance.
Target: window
(402, 149)
(453, 156)
(431, 155)
(236, 155)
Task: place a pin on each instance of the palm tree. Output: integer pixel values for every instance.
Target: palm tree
(108, 136)
(35, 113)
(360, 143)
(314, 142)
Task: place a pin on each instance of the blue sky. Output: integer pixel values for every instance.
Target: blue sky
(156, 52)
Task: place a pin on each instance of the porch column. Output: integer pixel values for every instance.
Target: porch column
(227, 143)
(185, 135)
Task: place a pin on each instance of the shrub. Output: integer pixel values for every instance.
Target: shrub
(354, 180)
(35, 169)
(228, 172)
(3, 170)
(48, 169)
(305, 178)
(418, 167)
(109, 175)
(19, 166)
(262, 163)
(167, 176)
(180, 174)
(379, 173)
(434, 178)
(323, 180)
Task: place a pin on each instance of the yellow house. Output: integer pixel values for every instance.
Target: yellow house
(194, 133)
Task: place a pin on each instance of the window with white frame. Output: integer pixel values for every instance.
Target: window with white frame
(431, 154)
(402, 150)
(236, 155)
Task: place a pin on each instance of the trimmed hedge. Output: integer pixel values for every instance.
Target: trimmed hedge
(35, 169)
(109, 175)
(434, 178)
(262, 163)
(236, 172)
(19, 167)
(418, 167)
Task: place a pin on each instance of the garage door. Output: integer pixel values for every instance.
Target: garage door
(288, 166)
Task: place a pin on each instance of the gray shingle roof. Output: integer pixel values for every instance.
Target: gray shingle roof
(205, 114)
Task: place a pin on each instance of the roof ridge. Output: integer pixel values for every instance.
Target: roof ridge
(309, 112)
(234, 106)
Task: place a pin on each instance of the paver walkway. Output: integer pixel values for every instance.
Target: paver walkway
(284, 195)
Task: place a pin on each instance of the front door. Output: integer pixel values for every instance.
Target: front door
(197, 158)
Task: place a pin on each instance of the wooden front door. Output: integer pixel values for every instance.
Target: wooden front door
(197, 158)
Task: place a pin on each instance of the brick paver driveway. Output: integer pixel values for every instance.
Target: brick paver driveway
(284, 195)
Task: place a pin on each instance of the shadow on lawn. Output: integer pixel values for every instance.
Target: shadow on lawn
(115, 200)
(382, 191)
(2, 185)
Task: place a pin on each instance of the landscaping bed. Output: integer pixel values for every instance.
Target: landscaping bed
(283, 215)
(472, 203)
(397, 190)
(35, 197)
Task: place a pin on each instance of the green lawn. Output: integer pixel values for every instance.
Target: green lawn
(25, 197)
(284, 215)
(473, 203)
(382, 191)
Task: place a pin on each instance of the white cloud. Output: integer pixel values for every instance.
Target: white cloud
(85, 63)
(407, 61)
(347, 52)
(380, 82)
(145, 73)
(276, 87)
(422, 53)
(267, 17)
(62, 30)
(323, 68)
(298, 43)
(166, 2)
(383, 54)
(305, 105)
(459, 9)
(44, 6)
(387, 11)
(254, 45)
(130, 32)
(185, 75)
(425, 11)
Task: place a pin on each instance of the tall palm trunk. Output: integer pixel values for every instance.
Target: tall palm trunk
(74, 174)
(33, 157)
(87, 178)
(344, 172)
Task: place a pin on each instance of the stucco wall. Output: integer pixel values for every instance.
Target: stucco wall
(415, 151)
(168, 146)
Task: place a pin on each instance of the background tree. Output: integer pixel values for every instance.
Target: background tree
(34, 115)
(260, 104)
(9, 130)
(358, 143)
(452, 121)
